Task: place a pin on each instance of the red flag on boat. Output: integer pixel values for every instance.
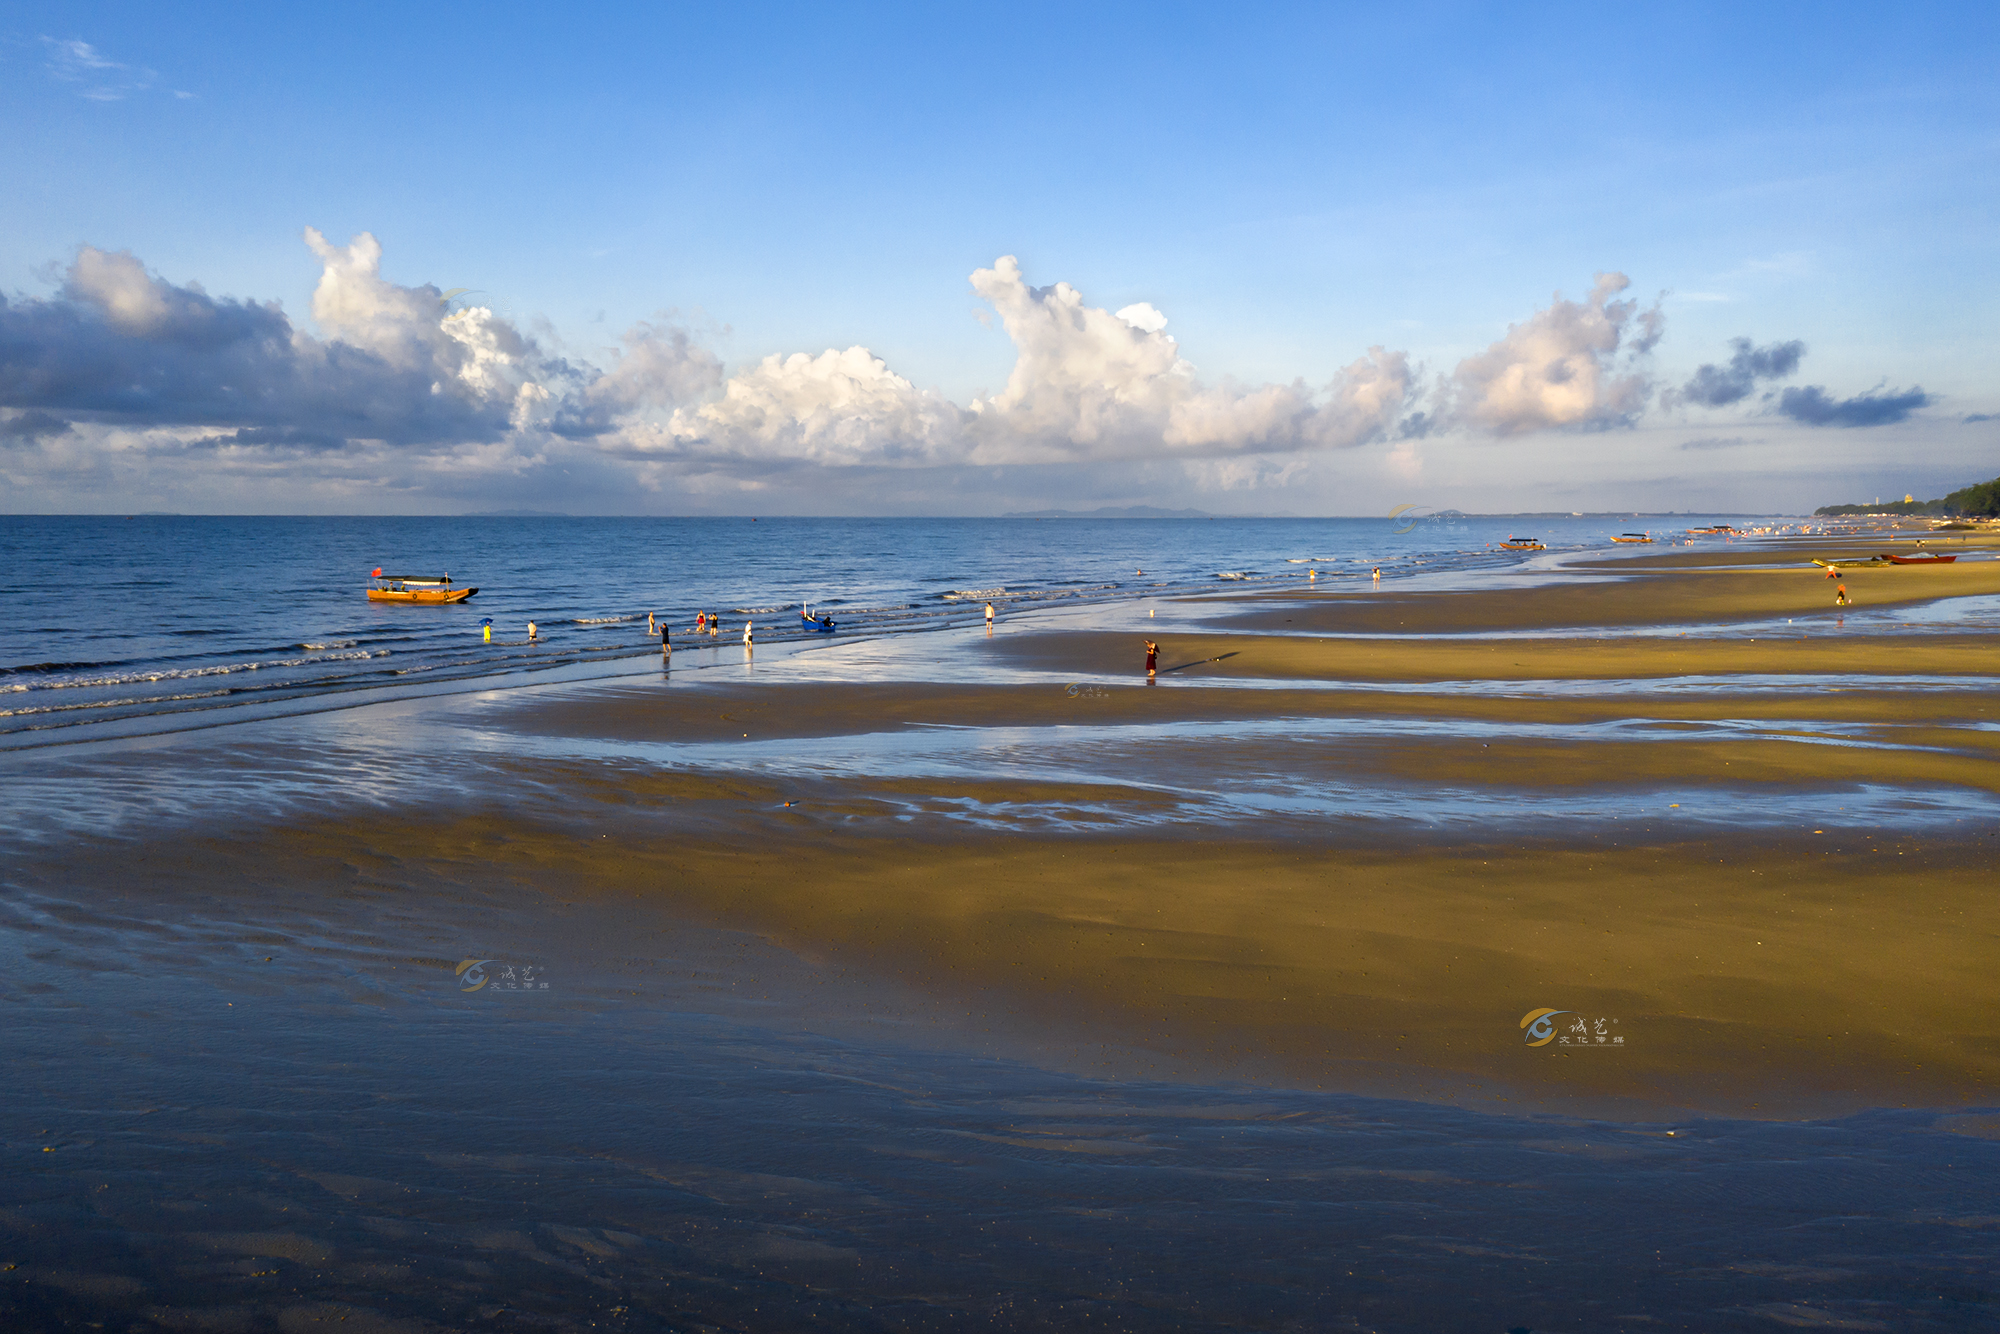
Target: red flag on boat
(377, 574)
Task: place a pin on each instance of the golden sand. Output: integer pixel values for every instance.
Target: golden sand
(1802, 976)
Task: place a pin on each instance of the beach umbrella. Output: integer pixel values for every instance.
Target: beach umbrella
(486, 620)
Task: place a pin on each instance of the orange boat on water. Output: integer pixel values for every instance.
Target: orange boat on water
(428, 589)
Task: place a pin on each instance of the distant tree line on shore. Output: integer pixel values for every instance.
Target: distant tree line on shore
(1981, 500)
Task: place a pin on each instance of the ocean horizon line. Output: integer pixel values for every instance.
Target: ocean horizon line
(1017, 516)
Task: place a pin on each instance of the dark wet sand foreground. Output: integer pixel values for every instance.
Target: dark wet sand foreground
(1022, 994)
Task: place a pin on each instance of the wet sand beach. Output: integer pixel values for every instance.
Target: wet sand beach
(970, 978)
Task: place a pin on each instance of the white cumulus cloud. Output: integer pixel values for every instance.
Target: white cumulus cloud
(356, 305)
(121, 368)
(1085, 381)
(836, 409)
(1143, 317)
(1562, 367)
(1089, 384)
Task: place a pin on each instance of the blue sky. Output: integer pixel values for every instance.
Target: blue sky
(1289, 185)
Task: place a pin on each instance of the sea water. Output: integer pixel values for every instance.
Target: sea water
(112, 617)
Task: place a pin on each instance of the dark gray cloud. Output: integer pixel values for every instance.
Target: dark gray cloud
(1813, 406)
(120, 346)
(28, 427)
(1715, 386)
(273, 437)
(1979, 417)
(1715, 442)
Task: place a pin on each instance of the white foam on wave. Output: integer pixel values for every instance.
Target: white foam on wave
(190, 673)
(110, 704)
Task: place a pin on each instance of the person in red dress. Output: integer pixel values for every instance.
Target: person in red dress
(1152, 657)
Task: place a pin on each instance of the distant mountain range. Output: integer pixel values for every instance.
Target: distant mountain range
(1111, 512)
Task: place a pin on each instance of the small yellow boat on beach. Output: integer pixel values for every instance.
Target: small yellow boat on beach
(427, 589)
(1633, 537)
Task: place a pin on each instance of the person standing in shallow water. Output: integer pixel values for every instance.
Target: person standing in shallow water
(1152, 658)
(746, 633)
(531, 632)
(989, 616)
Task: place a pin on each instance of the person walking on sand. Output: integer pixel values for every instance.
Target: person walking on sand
(1152, 658)
(1840, 598)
